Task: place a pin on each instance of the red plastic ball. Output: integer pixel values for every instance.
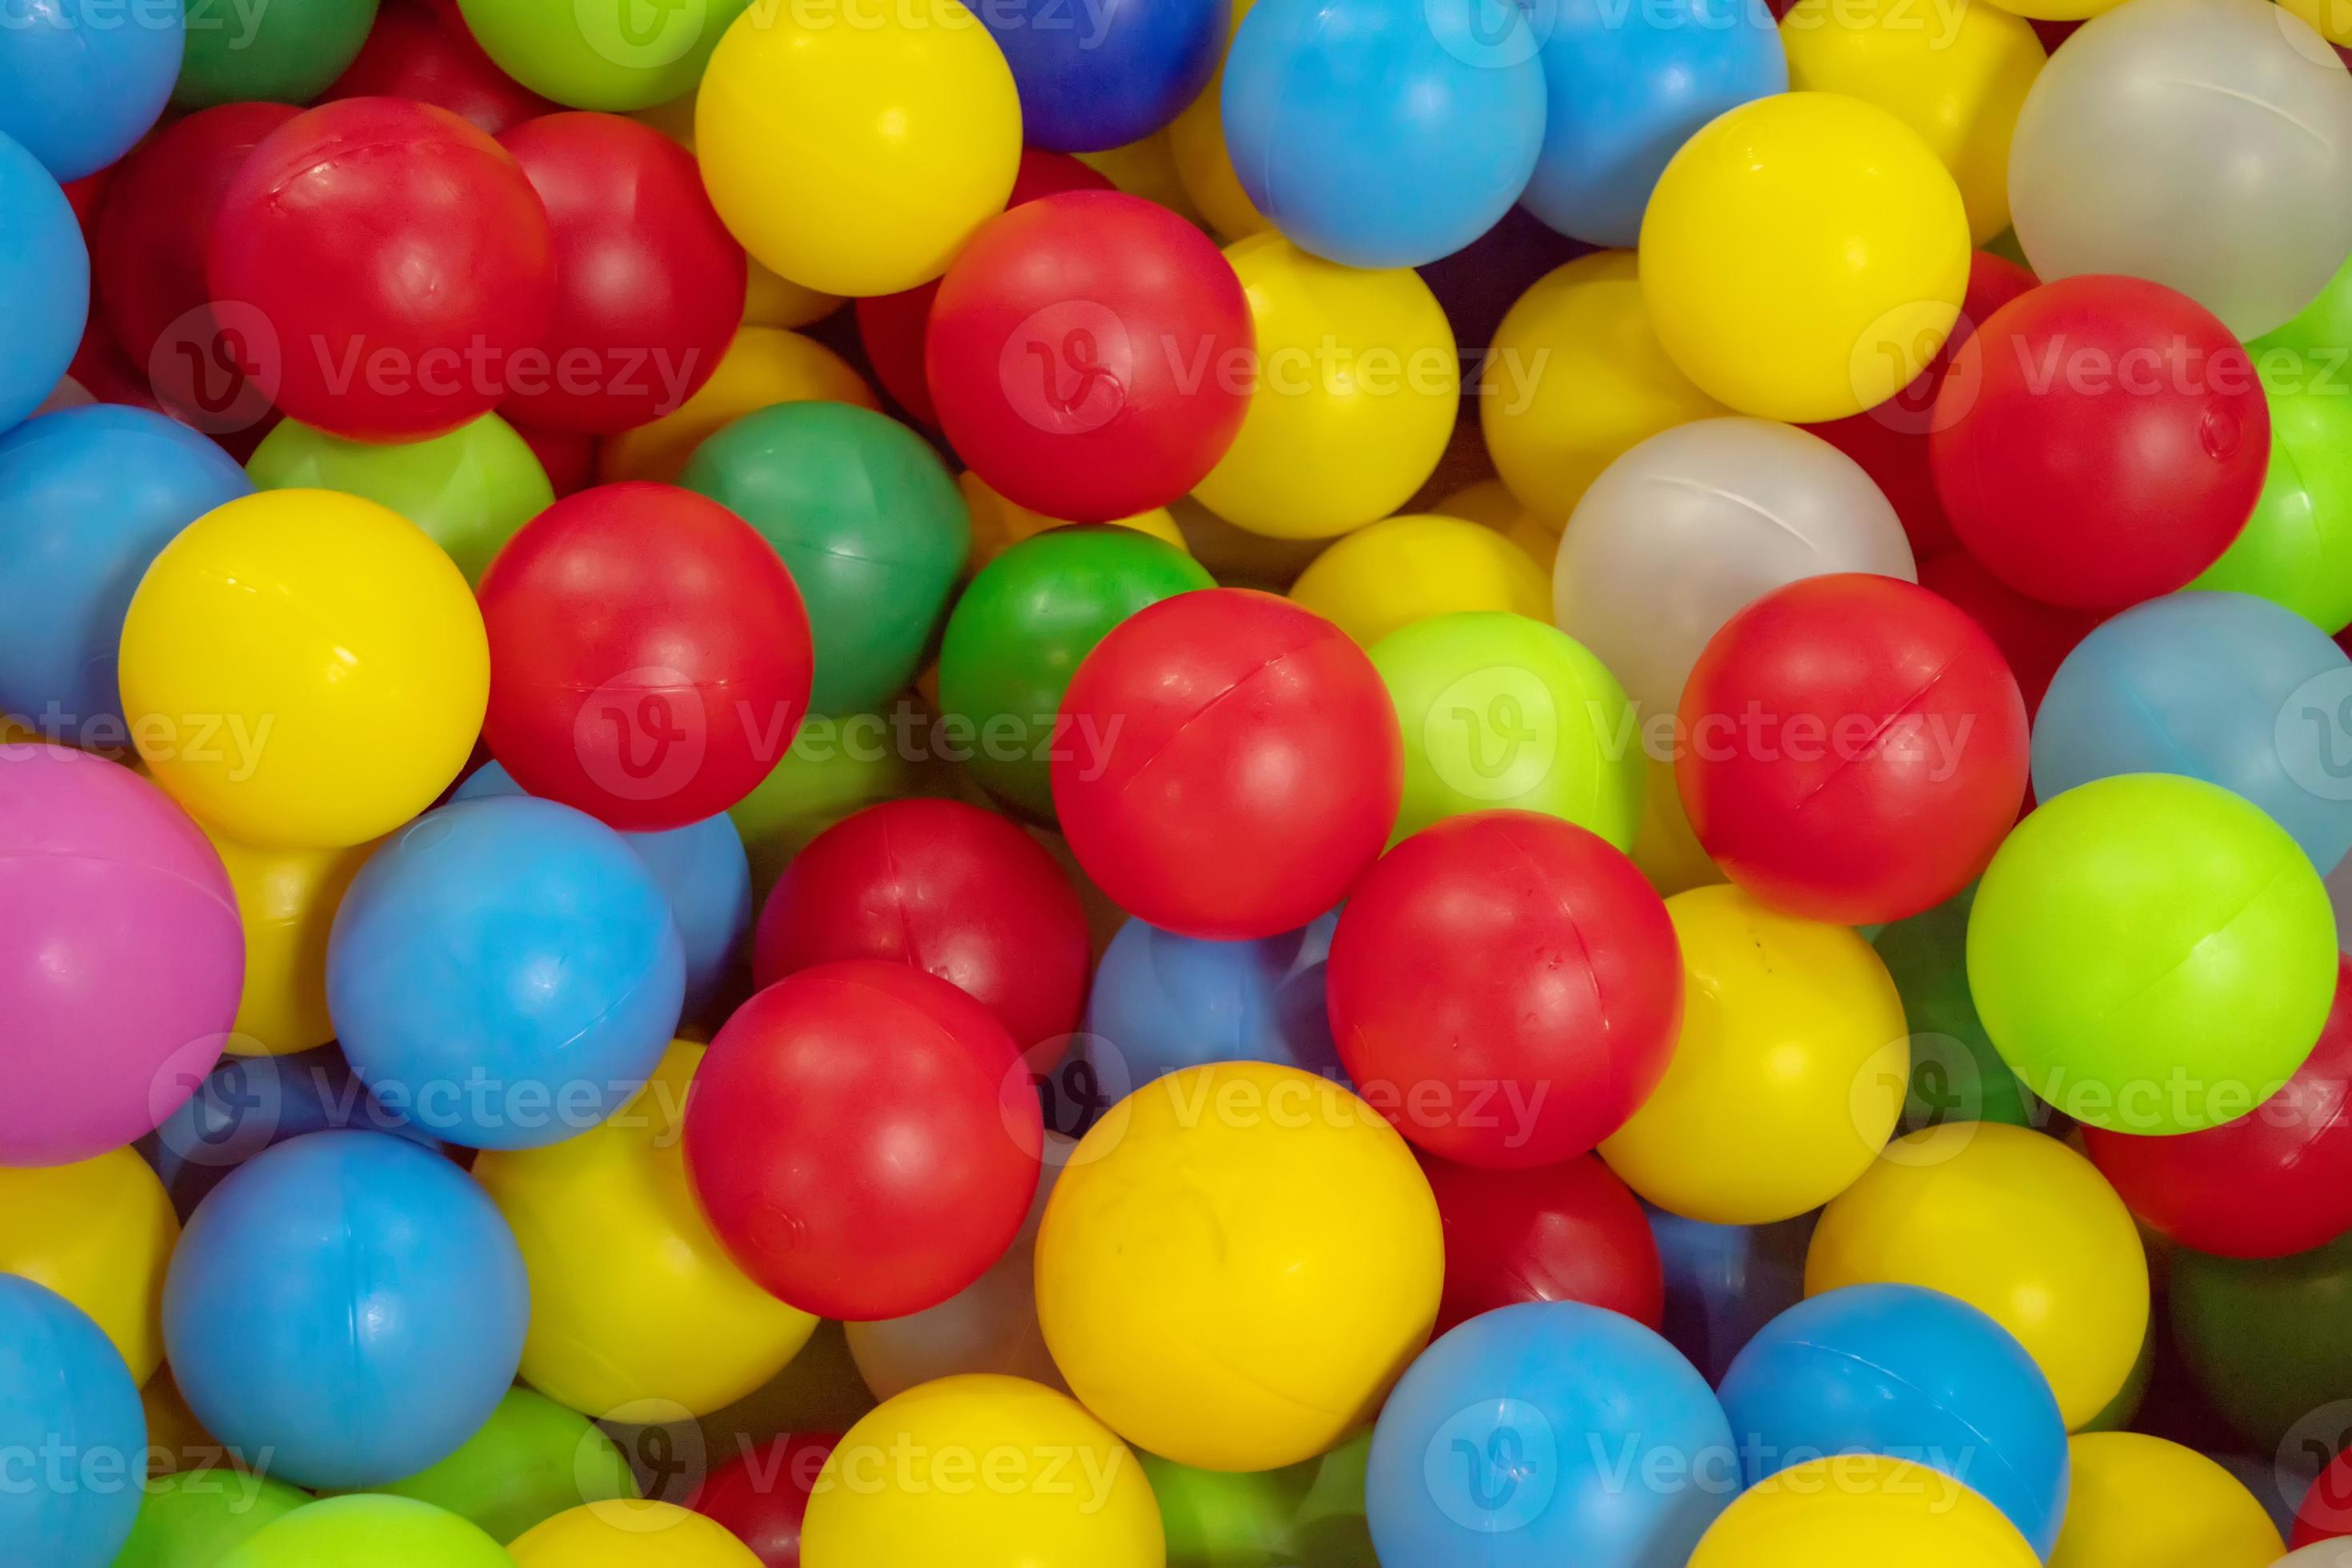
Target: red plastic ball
(892, 326)
(863, 1140)
(1226, 765)
(1506, 988)
(648, 283)
(762, 1495)
(1569, 1232)
(2326, 1511)
(398, 257)
(2100, 441)
(416, 50)
(1854, 748)
(954, 890)
(568, 456)
(2032, 636)
(2275, 1182)
(1089, 356)
(649, 655)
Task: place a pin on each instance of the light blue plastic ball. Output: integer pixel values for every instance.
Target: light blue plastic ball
(1725, 1282)
(701, 866)
(81, 81)
(1161, 1003)
(43, 279)
(88, 498)
(2226, 687)
(1545, 1434)
(345, 1309)
(72, 1429)
(505, 973)
(1383, 132)
(1911, 1373)
(1626, 82)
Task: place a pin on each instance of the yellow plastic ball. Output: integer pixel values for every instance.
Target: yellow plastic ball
(1665, 847)
(2137, 1501)
(1862, 1510)
(1407, 569)
(1788, 1074)
(1357, 390)
(981, 1471)
(764, 365)
(1196, 140)
(304, 670)
(1238, 1262)
(626, 1533)
(997, 524)
(99, 1233)
(1575, 378)
(2080, 10)
(1489, 503)
(2331, 19)
(1958, 76)
(1147, 169)
(1804, 256)
(632, 1298)
(287, 899)
(2016, 1224)
(772, 301)
(854, 152)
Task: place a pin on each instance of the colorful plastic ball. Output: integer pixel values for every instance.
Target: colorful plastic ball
(195, 1516)
(859, 159)
(869, 522)
(593, 59)
(1401, 570)
(98, 1232)
(2303, 520)
(44, 269)
(1356, 391)
(471, 491)
(1506, 988)
(1566, 1232)
(2226, 687)
(2328, 1553)
(2265, 1341)
(874, 1504)
(2212, 970)
(1725, 1282)
(1019, 631)
(1124, 75)
(630, 1535)
(649, 655)
(1956, 1073)
(1383, 132)
(913, 1138)
(566, 457)
(121, 955)
(285, 53)
(1262, 1339)
(423, 49)
(998, 524)
(367, 1532)
(2034, 638)
(646, 277)
(2016, 1224)
(1862, 1510)
(1789, 1073)
(1851, 749)
(761, 366)
(1898, 1369)
(359, 349)
(1687, 528)
(2144, 1501)
(2161, 419)
(70, 1413)
(1482, 1454)
(360, 1253)
(80, 82)
(92, 496)
(507, 971)
(2325, 1514)
(247, 1104)
(531, 1460)
(1803, 255)
(1623, 91)
(1089, 356)
(762, 1495)
(1161, 1003)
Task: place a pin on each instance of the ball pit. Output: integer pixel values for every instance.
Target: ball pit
(1384, 577)
(64, 1381)
(1566, 1232)
(99, 1233)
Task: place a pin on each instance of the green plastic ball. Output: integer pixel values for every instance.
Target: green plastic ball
(869, 521)
(531, 1460)
(2320, 335)
(2120, 1413)
(1020, 630)
(280, 51)
(1955, 1074)
(1308, 1515)
(834, 766)
(2152, 954)
(191, 1518)
(368, 1531)
(2296, 548)
(1502, 712)
(471, 489)
(617, 55)
(2268, 1341)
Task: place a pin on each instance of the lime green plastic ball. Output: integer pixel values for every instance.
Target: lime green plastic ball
(2296, 548)
(470, 490)
(368, 1531)
(1309, 1515)
(531, 1460)
(869, 519)
(1501, 712)
(1019, 631)
(1955, 1074)
(618, 55)
(2268, 1341)
(2152, 954)
(284, 51)
(191, 1518)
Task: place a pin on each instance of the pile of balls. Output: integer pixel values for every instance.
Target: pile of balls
(1175, 784)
